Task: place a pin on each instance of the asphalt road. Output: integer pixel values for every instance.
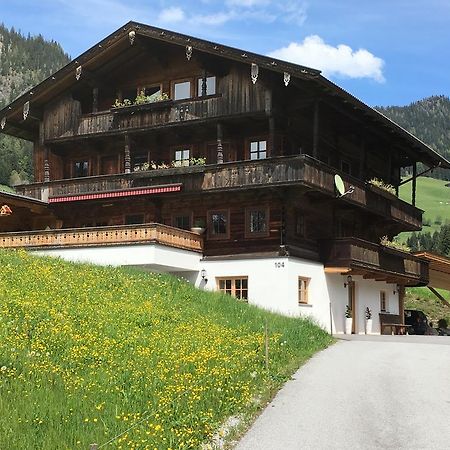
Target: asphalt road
(389, 392)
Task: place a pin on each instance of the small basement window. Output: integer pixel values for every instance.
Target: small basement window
(182, 90)
(81, 169)
(236, 286)
(303, 284)
(210, 86)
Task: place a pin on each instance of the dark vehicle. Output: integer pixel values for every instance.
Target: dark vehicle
(418, 321)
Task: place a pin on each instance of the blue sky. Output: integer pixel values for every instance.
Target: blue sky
(383, 52)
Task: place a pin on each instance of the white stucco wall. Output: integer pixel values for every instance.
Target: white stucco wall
(272, 281)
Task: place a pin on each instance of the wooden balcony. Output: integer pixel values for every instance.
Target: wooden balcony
(279, 171)
(360, 257)
(138, 117)
(101, 236)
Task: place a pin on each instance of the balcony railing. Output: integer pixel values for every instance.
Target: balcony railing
(372, 259)
(141, 117)
(99, 236)
(289, 170)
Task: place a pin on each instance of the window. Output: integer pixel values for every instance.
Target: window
(81, 169)
(154, 92)
(182, 221)
(210, 86)
(346, 167)
(303, 284)
(300, 225)
(218, 227)
(257, 222)
(182, 90)
(134, 219)
(258, 149)
(139, 161)
(129, 94)
(182, 157)
(384, 307)
(236, 286)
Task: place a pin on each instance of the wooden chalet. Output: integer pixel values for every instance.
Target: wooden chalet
(152, 133)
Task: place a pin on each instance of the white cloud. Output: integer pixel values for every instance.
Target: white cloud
(247, 3)
(213, 19)
(341, 61)
(173, 14)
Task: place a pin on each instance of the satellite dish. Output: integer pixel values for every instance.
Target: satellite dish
(340, 187)
(339, 184)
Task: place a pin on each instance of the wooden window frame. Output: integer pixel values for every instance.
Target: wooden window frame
(178, 148)
(209, 226)
(199, 89)
(257, 139)
(303, 294)
(182, 80)
(142, 88)
(233, 285)
(300, 217)
(384, 300)
(189, 214)
(77, 160)
(252, 235)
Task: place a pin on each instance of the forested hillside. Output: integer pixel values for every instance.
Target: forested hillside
(24, 62)
(429, 120)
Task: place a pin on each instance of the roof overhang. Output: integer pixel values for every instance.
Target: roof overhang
(119, 40)
(439, 269)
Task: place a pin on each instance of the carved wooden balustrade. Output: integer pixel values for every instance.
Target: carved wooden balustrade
(374, 260)
(287, 170)
(99, 236)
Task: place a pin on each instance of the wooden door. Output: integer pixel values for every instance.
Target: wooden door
(109, 165)
(353, 305)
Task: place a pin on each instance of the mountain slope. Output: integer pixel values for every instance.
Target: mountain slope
(429, 120)
(24, 62)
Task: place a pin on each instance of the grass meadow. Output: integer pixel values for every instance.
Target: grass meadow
(86, 353)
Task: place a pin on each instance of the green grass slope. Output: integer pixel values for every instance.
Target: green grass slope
(88, 352)
(424, 300)
(433, 196)
(4, 188)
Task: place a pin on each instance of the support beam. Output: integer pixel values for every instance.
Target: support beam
(219, 144)
(439, 296)
(46, 165)
(272, 150)
(362, 161)
(95, 99)
(316, 129)
(414, 184)
(401, 303)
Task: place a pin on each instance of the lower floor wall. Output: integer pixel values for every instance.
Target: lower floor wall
(273, 284)
(285, 285)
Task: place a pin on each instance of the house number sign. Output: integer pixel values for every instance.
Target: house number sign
(279, 265)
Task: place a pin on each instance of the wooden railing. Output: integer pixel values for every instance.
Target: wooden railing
(287, 170)
(367, 256)
(144, 116)
(99, 236)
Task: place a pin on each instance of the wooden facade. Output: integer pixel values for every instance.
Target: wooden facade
(253, 160)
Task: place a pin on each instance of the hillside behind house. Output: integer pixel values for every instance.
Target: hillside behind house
(24, 62)
(429, 120)
(87, 352)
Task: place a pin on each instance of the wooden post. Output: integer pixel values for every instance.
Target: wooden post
(316, 129)
(271, 149)
(46, 166)
(219, 144)
(266, 345)
(362, 161)
(127, 163)
(401, 303)
(414, 184)
(204, 84)
(95, 99)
